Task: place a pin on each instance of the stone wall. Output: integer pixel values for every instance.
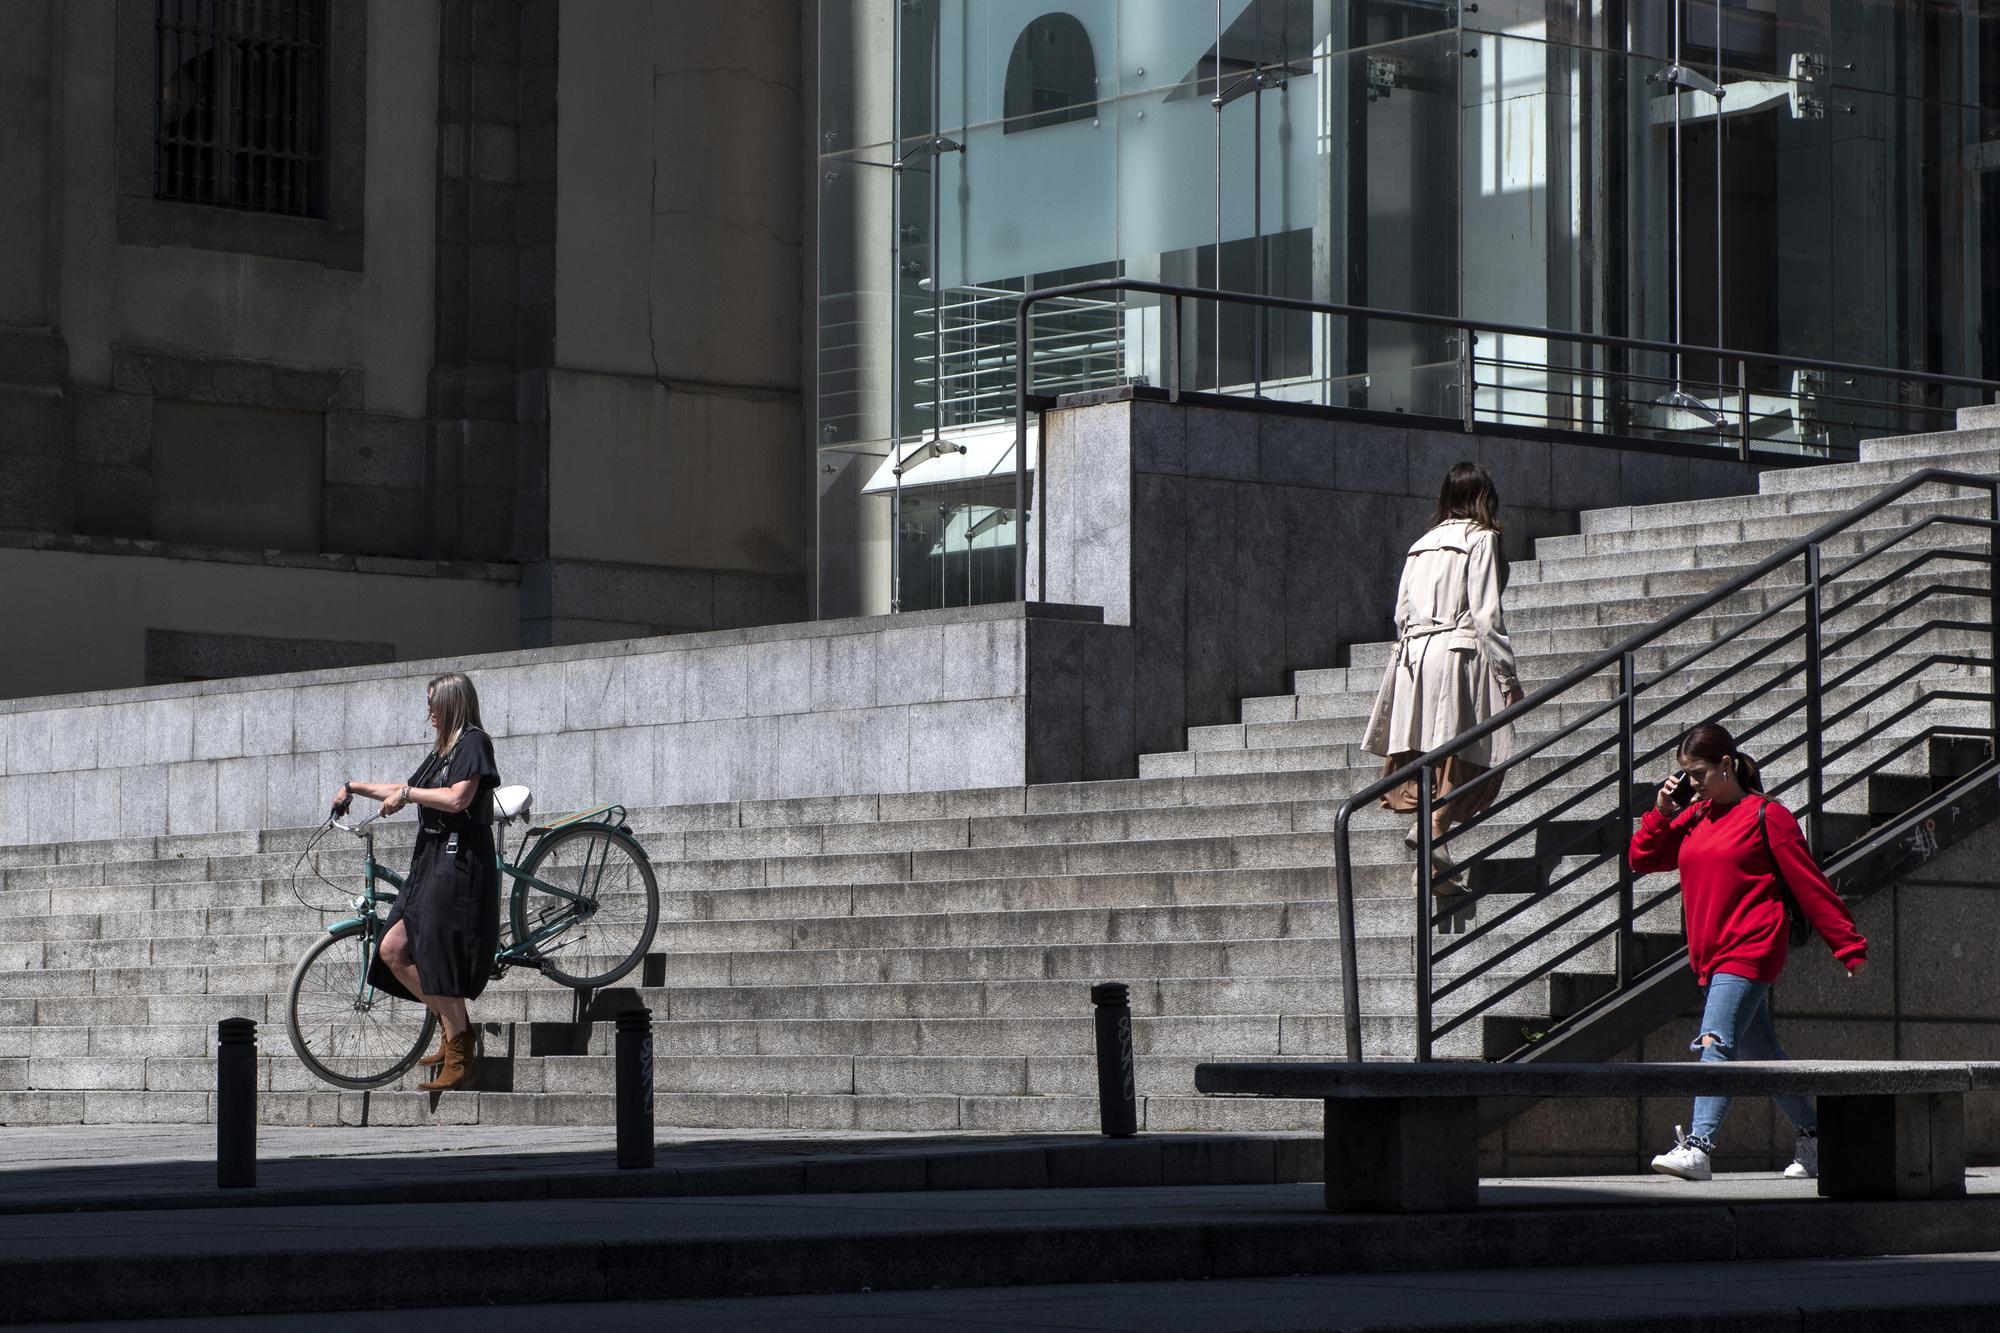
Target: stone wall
(1244, 541)
(676, 454)
(926, 702)
(495, 168)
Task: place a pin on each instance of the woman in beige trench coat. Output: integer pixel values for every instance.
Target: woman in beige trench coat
(1453, 666)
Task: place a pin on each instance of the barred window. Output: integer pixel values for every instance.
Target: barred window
(241, 119)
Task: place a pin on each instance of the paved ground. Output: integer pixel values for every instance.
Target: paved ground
(1721, 1256)
(92, 1167)
(1939, 1293)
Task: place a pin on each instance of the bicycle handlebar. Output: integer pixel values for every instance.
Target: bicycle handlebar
(356, 827)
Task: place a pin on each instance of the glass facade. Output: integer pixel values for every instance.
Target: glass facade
(1550, 164)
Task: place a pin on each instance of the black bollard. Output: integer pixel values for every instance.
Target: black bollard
(1117, 1093)
(236, 1104)
(635, 1088)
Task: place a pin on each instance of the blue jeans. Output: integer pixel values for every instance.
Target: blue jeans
(1738, 1013)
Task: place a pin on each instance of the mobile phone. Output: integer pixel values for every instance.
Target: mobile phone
(1682, 792)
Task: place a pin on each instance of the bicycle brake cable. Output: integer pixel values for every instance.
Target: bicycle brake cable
(312, 845)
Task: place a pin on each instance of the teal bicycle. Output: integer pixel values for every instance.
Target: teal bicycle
(582, 912)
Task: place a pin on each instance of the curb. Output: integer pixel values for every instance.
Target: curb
(1162, 1160)
(1287, 1235)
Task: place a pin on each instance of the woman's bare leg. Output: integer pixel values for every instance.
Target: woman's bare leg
(395, 952)
(450, 1010)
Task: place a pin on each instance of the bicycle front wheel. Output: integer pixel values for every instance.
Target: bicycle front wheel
(601, 923)
(345, 1031)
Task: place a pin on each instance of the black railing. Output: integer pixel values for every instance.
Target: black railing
(1603, 391)
(1791, 589)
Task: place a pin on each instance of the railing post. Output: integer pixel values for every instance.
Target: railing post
(1815, 707)
(1628, 752)
(1743, 408)
(1173, 350)
(1993, 618)
(1423, 941)
(1020, 458)
(1350, 953)
(1468, 388)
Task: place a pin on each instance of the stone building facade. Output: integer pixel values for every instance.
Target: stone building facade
(344, 331)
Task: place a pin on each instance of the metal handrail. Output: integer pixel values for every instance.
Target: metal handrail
(1467, 328)
(1621, 656)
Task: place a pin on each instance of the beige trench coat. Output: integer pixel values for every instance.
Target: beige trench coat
(1453, 662)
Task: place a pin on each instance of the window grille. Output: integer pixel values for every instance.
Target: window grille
(241, 116)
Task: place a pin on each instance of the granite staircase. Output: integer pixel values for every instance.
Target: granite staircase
(922, 961)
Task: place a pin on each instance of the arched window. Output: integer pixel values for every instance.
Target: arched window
(1052, 75)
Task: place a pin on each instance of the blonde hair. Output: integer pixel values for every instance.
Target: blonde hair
(456, 705)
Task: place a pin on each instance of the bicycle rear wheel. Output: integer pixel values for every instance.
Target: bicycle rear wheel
(345, 1031)
(599, 935)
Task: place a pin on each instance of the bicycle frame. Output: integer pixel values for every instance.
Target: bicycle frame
(525, 950)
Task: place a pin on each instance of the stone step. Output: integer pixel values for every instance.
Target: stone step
(1696, 529)
(1557, 653)
(1050, 1114)
(1940, 445)
(1385, 915)
(1985, 458)
(1715, 552)
(1833, 495)
(1331, 731)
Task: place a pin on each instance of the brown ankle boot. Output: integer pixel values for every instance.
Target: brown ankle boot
(436, 1057)
(457, 1067)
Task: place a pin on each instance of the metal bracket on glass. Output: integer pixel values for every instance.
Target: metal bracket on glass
(935, 146)
(1687, 402)
(1680, 76)
(935, 447)
(999, 518)
(1257, 81)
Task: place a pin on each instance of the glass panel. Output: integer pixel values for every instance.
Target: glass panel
(1525, 169)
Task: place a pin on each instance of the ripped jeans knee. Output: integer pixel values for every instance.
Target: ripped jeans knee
(1707, 1041)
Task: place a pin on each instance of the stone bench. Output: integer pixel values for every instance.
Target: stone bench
(1405, 1137)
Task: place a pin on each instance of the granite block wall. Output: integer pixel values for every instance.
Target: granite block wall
(1243, 542)
(926, 701)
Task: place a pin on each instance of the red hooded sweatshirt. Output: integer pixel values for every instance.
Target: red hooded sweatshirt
(1731, 894)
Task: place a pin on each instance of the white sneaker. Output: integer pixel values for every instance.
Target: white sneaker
(1805, 1158)
(1688, 1160)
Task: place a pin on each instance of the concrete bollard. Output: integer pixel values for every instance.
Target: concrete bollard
(635, 1088)
(1117, 1091)
(236, 1104)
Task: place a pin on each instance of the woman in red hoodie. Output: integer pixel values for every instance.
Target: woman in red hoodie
(1738, 853)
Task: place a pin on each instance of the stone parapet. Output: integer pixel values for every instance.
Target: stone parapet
(927, 701)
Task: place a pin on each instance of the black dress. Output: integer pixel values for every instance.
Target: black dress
(450, 904)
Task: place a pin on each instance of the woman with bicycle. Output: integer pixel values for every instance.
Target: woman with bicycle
(445, 925)
(1740, 856)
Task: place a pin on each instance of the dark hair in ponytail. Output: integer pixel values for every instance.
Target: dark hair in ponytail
(1712, 744)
